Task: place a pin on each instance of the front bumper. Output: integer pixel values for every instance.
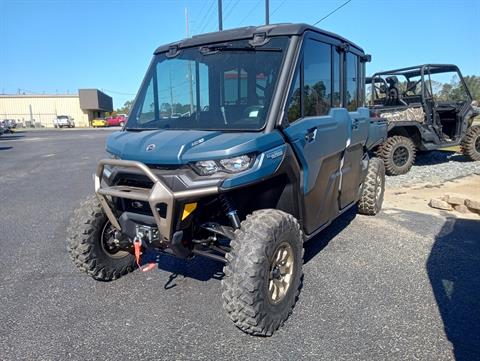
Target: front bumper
(158, 194)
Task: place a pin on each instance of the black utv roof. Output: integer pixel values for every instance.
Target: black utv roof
(413, 71)
(248, 33)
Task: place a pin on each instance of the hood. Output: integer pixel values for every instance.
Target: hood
(184, 146)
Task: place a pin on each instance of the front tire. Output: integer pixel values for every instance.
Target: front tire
(264, 275)
(373, 188)
(398, 154)
(470, 145)
(91, 247)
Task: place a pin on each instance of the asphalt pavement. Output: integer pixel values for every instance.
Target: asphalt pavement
(398, 286)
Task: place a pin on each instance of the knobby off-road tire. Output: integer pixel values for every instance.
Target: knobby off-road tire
(398, 154)
(87, 247)
(373, 188)
(249, 290)
(470, 145)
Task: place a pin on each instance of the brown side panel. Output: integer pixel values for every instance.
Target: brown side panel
(352, 170)
(321, 203)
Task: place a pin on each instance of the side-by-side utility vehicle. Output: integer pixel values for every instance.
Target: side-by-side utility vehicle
(427, 107)
(240, 146)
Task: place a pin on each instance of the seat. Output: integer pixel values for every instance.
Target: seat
(393, 96)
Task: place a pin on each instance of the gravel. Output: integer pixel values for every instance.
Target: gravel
(435, 167)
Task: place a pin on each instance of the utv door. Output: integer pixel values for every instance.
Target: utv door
(318, 133)
(358, 121)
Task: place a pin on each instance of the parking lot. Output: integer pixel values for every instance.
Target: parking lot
(402, 285)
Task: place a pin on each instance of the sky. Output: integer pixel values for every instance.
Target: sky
(59, 46)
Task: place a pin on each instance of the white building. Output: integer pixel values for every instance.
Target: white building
(40, 110)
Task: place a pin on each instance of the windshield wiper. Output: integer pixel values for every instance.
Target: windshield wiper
(140, 129)
(212, 49)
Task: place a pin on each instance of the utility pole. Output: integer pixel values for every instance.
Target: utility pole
(220, 21)
(267, 12)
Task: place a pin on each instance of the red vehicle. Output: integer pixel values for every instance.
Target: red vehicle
(119, 120)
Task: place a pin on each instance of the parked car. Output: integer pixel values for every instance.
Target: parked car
(427, 107)
(119, 120)
(62, 121)
(8, 125)
(99, 122)
(245, 180)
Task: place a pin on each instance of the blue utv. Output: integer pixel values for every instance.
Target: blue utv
(240, 146)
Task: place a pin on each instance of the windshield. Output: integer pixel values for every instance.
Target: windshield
(226, 86)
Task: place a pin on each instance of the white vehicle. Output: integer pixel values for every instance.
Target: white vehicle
(64, 121)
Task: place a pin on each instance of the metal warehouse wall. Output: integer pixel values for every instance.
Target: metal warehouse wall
(45, 108)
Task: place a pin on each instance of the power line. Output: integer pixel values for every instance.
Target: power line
(330, 13)
(250, 12)
(119, 93)
(278, 7)
(231, 10)
(206, 17)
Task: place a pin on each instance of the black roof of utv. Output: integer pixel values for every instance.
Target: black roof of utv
(248, 33)
(413, 71)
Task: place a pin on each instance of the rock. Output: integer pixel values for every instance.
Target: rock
(455, 199)
(460, 208)
(439, 204)
(473, 205)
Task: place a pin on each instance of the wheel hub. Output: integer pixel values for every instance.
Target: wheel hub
(281, 272)
(400, 156)
(110, 244)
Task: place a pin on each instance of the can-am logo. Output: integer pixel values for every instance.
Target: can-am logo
(150, 147)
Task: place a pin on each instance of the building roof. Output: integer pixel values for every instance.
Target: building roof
(247, 33)
(38, 95)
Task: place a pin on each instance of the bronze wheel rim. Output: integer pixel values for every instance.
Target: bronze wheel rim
(280, 273)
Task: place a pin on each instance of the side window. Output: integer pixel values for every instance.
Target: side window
(351, 74)
(294, 107)
(317, 78)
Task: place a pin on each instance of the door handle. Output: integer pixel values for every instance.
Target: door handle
(311, 135)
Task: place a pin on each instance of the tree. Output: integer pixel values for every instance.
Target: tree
(125, 109)
(473, 84)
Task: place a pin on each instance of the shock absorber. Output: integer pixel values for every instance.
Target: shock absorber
(230, 210)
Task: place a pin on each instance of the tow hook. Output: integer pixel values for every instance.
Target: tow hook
(137, 248)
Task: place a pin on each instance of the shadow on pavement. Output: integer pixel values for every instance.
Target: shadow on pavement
(321, 240)
(199, 268)
(439, 157)
(5, 148)
(204, 269)
(454, 271)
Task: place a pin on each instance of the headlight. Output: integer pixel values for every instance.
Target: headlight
(229, 165)
(206, 167)
(236, 164)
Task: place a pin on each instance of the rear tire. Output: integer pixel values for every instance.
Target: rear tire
(87, 245)
(373, 188)
(470, 145)
(264, 275)
(398, 154)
